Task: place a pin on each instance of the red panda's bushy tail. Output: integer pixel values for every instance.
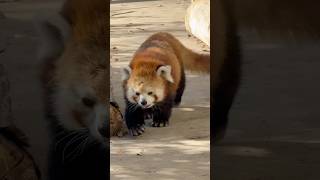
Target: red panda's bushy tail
(195, 62)
(191, 60)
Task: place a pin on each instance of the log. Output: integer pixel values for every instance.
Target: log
(197, 20)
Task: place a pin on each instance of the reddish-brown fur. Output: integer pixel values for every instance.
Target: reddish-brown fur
(88, 20)
(164, 49)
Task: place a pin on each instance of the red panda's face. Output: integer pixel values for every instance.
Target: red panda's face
(81, 96)
(79, 79)
(144, 93)
(146, 86)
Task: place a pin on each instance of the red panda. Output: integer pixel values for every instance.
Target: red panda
(154, 81)
(75, 81)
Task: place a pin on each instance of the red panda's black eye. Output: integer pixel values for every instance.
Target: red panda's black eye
(88, 102)
(150, 93)
(138, 94)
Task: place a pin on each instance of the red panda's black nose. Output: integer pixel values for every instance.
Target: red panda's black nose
(104, 132)
(143, 102)
(103, 128)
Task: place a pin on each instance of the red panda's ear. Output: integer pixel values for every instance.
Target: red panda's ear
(54, 32)
(165, 71)
(126, 73)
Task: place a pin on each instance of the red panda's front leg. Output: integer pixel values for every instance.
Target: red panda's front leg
(162, 113)
(180, 90)
(134, 117)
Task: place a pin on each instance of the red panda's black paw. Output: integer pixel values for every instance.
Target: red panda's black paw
(159, 123)
(137, 131)
(176, 104)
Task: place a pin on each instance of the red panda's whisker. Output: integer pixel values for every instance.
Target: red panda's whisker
(85, 142)
(64, 137)
(78, 149)
(73, 140)
(71, 131)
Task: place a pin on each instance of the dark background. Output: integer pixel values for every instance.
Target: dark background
(274, 130)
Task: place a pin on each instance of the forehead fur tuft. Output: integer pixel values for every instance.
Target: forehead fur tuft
(87, 19)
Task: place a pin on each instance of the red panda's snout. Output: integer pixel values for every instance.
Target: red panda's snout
(146, 102)
(78, 108)
(143, 100)
(145, 97)
(92, 115)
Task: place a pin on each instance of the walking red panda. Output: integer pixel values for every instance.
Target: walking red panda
(154, 81)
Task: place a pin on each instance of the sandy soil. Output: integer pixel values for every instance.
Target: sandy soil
(182, 150)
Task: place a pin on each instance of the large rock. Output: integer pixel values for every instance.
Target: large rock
(117, 125)
(197, 20)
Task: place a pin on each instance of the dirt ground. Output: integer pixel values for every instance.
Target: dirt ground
(182, 150)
